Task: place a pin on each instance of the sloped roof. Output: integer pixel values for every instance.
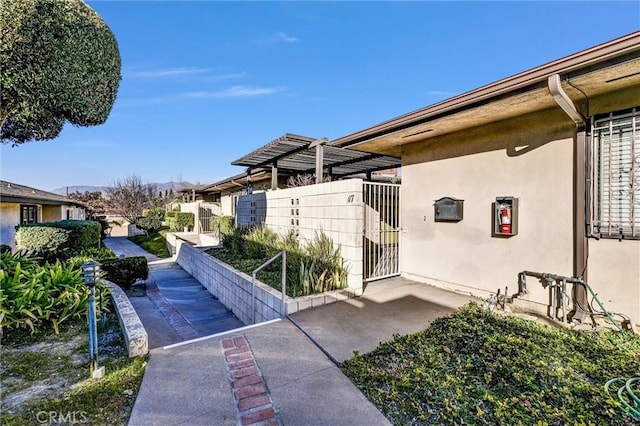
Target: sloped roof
(13, 192)
(236, 181)
(292, 153)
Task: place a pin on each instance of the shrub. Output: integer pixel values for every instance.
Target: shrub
(316, 268)
(170, 220)
(224, 224)
(261, 241)
(72, 235)
(105, 227)
(234, 241)
(321, 267)
(97, 254)
(183, 220)
(84, 233)
(39, 296)
(125, 272)
(149, 224)
(41, 240)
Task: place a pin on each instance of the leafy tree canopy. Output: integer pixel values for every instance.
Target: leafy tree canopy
(59, 62)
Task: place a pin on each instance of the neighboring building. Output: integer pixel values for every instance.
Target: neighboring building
(542, 171)
(21, 204)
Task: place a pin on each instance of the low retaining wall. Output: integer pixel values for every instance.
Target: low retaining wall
(233, 288)
(135, 336)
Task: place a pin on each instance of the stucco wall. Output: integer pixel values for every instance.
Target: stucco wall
(10, 217)
(614, 274)
(119, 227)
(333, 207)
(531, 158)
(478, 167)
(52, 213)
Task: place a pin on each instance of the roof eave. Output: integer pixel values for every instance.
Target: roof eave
(518, 83)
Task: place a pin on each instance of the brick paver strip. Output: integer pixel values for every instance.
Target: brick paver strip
(177, 321)
(263, 415)
(254, 405)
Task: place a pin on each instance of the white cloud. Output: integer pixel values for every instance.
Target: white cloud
(285, 38)
(231, 92)
(276, 39)
(235, 92)
(167, 72)
(218, 77)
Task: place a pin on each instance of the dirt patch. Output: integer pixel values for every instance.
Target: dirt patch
(32, 372)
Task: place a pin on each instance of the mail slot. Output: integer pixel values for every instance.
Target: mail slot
(447, 209)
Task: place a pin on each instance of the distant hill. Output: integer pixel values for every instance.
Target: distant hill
(177, 186)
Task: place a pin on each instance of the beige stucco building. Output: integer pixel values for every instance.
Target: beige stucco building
(563, 140)
(21, 204)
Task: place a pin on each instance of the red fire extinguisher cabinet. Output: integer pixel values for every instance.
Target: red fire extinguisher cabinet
(504, 221)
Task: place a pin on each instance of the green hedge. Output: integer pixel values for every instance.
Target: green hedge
(149, 224)
(85, 234)
(182, 220)
(125, 272)
(81, 234)
(39, 239)
(224, 223)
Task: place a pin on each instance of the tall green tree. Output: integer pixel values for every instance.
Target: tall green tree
(59, 62)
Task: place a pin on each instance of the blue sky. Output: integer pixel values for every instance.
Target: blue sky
(206, 82)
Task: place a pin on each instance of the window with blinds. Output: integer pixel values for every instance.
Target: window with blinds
(616, 174)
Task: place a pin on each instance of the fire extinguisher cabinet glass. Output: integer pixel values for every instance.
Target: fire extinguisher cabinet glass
(505, 217)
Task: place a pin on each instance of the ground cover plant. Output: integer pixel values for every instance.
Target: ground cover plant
(45, 376)
(476, 367)
(154, 243)
(314, 267)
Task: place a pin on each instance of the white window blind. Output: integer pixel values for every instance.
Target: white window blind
(616, 174)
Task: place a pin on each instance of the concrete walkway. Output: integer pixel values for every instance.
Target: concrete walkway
(283, 371)
(175, 307)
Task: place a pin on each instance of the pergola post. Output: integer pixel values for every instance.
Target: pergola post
(318, 144)
(274, 175)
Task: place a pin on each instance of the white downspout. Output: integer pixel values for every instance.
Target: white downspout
(580, 242)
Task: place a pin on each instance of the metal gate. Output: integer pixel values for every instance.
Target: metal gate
(381, 239)
(205, 220)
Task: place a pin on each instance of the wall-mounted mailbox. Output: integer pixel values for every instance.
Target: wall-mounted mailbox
(447, 209)
(505, 217)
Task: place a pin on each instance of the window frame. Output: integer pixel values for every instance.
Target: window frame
(29, 207)
(602, 175)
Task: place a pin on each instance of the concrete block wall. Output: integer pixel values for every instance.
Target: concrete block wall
(233, 288)
(335, 208)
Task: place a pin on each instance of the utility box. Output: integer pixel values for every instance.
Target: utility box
(447, 209)
(505, 217)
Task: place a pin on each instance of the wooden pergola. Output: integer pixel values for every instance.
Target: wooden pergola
(296, 154)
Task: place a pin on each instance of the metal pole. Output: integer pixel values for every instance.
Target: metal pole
(93, 332)
(253, 297)
(283, 311)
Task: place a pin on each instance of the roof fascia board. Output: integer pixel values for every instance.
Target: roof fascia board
(25, 200)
